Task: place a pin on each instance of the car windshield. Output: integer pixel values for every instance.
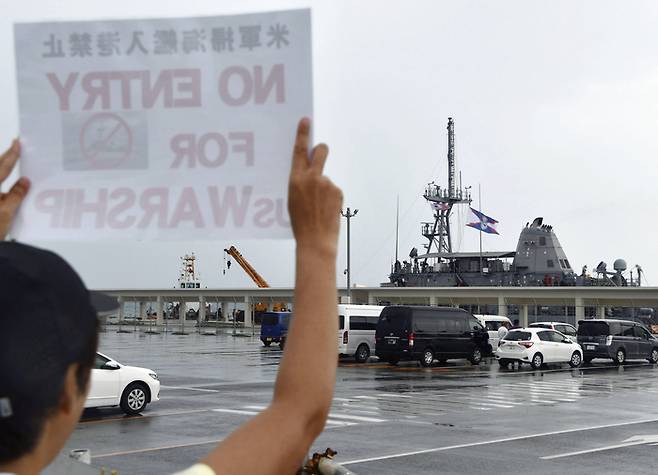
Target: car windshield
(517, 336)
(541, 325)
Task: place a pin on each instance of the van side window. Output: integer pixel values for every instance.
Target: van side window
(615, 329)
(492, 326)
(457, 324)
(641, 332)
(426, 322)
(627, 330)
(341, 322)
(363, 323)
(371, 323)
(357, 323)
(474, 324)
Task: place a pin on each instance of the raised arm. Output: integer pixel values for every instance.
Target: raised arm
(277, 440)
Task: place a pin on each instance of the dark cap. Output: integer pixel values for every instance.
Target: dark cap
(47, 315)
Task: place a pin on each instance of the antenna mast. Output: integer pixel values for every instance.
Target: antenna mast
(451, 157)
(442, 200)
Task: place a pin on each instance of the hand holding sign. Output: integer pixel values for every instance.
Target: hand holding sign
(10, 201)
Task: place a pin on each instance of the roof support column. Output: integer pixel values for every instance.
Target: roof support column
(248, 312)
(121, 300)
(600, 312)
(159, 309)
(502, 306)
(523, 315)
(580, 308)
(202, 309)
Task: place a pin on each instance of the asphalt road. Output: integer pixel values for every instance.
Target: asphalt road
(456, 418)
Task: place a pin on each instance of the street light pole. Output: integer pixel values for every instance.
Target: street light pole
(348, 215)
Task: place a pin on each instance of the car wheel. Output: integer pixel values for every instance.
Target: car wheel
(134, 398)
(503, 363)
(282, 343)
(427, 359)
(393, 361)
(362, 353)
(620, 357)
(575, 360)
(476, 356)
(587, 359)
(537, 361)
(267, 343)
(653, 357)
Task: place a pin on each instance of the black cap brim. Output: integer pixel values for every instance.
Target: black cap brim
(103, 303)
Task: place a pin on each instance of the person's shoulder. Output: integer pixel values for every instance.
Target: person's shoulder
(198, 469)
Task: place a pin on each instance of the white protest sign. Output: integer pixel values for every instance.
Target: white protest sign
(177, 128)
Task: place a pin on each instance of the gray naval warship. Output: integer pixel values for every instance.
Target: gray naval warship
(539, 259)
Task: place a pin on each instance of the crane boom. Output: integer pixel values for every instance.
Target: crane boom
(251, 272)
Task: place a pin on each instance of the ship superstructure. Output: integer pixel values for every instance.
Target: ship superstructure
(539, 259)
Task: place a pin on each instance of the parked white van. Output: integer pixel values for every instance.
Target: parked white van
(492, 323)
(356, 330)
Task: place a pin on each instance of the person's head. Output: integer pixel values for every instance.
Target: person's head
(507, 325)
(48, 340)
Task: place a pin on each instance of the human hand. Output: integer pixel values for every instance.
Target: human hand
(314, 202)
(10, 201)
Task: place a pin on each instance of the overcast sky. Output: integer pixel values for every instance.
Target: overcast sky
(555, 107)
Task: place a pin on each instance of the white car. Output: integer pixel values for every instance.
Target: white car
(113, 384)
(537, 346)
(564, 328)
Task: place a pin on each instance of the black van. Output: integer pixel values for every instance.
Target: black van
(429, 333)
(619, 340)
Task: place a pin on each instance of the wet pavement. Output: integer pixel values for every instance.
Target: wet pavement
(456, 418)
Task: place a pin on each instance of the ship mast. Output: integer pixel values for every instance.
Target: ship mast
(442, 201)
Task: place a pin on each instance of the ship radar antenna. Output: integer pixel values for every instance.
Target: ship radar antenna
(442, 200)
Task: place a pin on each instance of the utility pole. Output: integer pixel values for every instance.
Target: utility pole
(349, 215)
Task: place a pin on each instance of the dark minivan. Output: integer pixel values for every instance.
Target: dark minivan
(429, 333)
(619, 340)
(274, 327)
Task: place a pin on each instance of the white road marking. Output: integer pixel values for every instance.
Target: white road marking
(591, 451)
(332, 417)
(355, 418)
(631, 441)
(191, 389)
(496, 441)
(493, 404)
(236, 411)
(360, 406)
(394, 395)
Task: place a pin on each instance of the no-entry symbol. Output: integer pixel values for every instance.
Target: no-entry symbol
(106, 141)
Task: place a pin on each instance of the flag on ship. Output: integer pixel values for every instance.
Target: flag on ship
(482, 222)
(440, 205)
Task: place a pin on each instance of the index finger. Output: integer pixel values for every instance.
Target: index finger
(8, 160)
(300, 152)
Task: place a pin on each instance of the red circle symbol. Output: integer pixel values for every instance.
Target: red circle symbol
(106, 140)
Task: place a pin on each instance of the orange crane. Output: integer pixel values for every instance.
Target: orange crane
(255, 276)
